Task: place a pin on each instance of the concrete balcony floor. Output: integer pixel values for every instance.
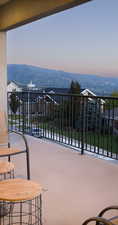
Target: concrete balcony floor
(77, 186)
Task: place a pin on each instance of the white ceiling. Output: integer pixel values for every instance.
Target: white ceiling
(3, 1)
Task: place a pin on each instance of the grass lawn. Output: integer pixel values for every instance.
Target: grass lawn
(104, 141)
(95, 140)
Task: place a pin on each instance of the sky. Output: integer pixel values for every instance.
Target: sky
(82, 40)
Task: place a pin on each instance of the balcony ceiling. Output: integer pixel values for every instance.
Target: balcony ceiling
(2, 2)
(14, 13)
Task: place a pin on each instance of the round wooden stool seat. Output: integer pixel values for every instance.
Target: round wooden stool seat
(19, 190)
(114, 220)
(6, 167)
(20, 202)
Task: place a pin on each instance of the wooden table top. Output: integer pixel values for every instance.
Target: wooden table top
(19, 190)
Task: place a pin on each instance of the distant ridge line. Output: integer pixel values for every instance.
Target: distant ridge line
(50, 78)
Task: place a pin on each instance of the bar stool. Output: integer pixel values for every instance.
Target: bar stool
(6, 170)
(22, 201)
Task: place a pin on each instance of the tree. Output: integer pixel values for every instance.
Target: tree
(114, 94)
(14, 102)
(68, 110)
(113, 102)
(75, 87)
(75, 103)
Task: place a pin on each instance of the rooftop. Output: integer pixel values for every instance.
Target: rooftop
(76, 186)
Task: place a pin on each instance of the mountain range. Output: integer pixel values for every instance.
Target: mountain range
(42, 77)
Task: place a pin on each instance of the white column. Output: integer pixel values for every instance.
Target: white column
(3, 73)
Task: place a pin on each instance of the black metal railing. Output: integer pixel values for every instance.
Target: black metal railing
(85, 122)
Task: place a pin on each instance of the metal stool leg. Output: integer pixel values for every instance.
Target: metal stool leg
(40, 209)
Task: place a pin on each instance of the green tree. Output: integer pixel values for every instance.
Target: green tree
(75, 87)
(66, 114)
(114, 94)
(68, 110)
(14, 102)
(113, 102)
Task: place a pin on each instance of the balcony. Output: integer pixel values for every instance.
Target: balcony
(86, 123)
(76, 186)
(77, 132)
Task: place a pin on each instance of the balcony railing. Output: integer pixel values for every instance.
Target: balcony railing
(84, 122)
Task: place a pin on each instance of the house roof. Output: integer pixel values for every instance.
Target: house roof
(16, 83)
(54, 90)
(87, 92)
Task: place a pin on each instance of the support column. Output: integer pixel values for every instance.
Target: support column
(3, 73)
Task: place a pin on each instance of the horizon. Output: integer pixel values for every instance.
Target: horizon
(63, 71)
(81, 40)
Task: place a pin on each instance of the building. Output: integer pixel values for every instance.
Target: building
(13, 86)
(110, 118)
(94, 103)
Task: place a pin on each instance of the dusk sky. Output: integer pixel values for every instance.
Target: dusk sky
(83, 39)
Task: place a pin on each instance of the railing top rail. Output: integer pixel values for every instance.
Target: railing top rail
(66, 94)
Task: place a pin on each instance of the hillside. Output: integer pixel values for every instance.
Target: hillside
(54, 78)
